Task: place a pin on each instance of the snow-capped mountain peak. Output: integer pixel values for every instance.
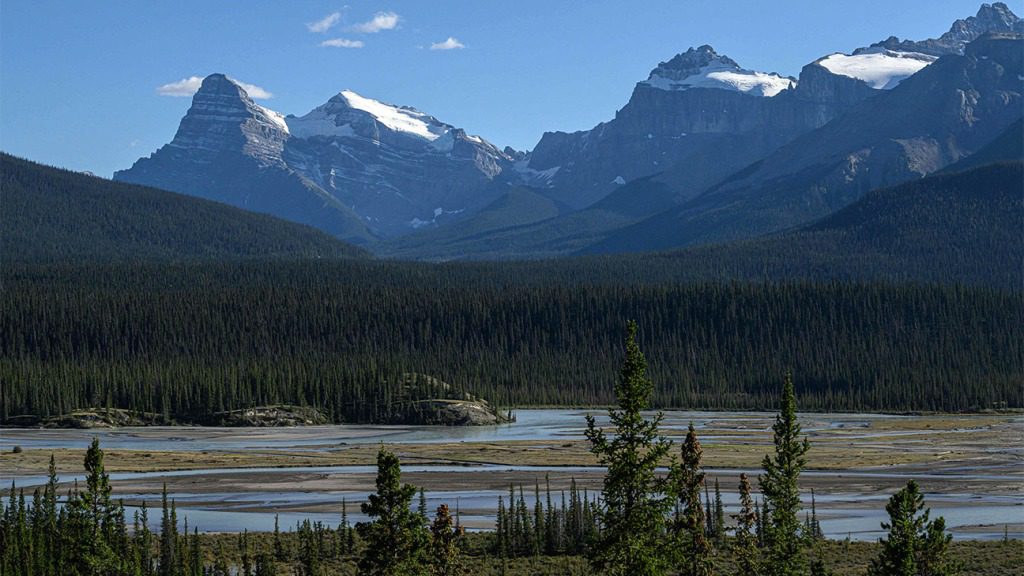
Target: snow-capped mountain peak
(337, 116)
(399, 119)
(704, 68)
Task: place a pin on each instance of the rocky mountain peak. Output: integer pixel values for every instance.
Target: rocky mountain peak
(704, 68)
(996, 17)
(991, 18)
(690, 62)
(224, 118)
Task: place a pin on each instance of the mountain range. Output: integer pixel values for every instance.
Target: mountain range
(704, 151)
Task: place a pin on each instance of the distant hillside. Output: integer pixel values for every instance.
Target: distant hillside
(527, 224)
(49, 214)
(1009, 145)
(963, 227)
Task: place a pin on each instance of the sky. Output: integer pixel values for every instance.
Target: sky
(94, 85)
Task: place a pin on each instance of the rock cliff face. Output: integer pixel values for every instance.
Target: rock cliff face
(354, 167)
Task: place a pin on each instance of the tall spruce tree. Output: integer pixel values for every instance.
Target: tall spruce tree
(914, 545)
(168, 537)
(445, 552)
(636, 499)
(396, 538)
(746, 546)
(691, 533)
(719, 523)
(784, 554)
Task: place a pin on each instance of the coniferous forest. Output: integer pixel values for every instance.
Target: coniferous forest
(647, 519)
(185, 340)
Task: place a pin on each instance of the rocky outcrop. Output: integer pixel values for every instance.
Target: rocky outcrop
(98, 418)
(426, 400)
(270, 416)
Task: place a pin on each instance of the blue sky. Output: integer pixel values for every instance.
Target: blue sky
(79, 79)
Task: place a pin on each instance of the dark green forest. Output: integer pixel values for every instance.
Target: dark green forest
(190, 339)
(961, 227)
(51, 215)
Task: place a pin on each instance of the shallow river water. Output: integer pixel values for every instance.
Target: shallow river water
(844, 506)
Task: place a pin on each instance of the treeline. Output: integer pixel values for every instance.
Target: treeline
(192, 340)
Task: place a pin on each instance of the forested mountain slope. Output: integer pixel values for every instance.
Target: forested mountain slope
(51, 214)
(963, 227)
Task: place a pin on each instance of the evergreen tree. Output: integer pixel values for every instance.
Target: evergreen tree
(691, 534)
(279, 551)
(395, 538)
(195, 562)
(779, 484)
(265, 565)
(99, 516)
(168, 537)
(220, 563)
(914, 545)
(144, 542)
(719, 524)
(445, 552)
(421, 507)
(309, 550)
(539, 529)
(501, 534)
(746, 546)
(635, 504)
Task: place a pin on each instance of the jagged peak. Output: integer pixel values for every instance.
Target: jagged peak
(991, 18)
(703, 67)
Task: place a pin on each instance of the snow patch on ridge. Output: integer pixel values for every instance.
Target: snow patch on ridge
(276, 117)
(880, 68)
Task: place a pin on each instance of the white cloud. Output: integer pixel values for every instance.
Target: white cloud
(380, 21)
(324, 24)
(450, 44)
(254, 91)
(189, 86)
(342, 43)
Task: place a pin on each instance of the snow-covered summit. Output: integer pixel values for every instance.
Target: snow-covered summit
(335, 118)
(878, 67)
(704, 68)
